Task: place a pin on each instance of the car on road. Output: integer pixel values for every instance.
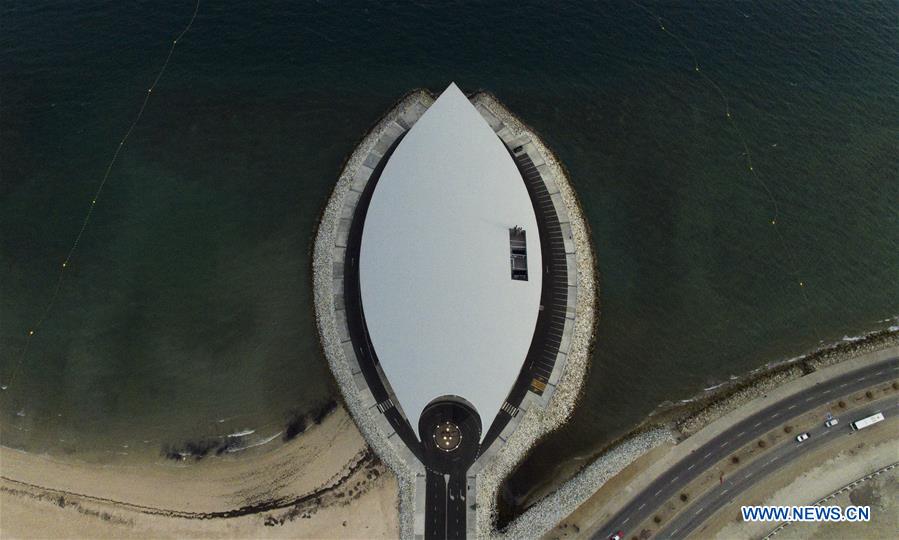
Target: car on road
(617, 536)
(831, 423)
(801, 437)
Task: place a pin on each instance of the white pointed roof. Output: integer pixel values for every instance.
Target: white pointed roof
(442, 311)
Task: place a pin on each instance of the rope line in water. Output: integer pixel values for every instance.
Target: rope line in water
(90, 211)
(753, 172)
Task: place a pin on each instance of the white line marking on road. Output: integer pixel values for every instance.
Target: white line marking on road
(698, 511)
(748, 474)
(844, 385)
(707, 455)
(626, 520)
(879, 372)
(675, 478)
(657, 493)
(860, 379)
(827, 391)
(690, 468)
(723, 492)
(809, 398)
(775, 415)
(725, 443)
(791, 407)
(757, 424)
(674, 532)
(775, 458)
(641, 506)
(740, 433)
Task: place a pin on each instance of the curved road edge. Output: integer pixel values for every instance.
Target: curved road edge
(705, 449)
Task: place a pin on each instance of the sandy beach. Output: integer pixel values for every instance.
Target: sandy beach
(324, 483)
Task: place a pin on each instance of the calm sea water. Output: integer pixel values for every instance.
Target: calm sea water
(187, 311)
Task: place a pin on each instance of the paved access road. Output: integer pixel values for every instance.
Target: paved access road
(445, 506)
(721, 495)
(670, 484)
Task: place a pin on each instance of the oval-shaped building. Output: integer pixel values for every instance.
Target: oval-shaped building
(450, 262)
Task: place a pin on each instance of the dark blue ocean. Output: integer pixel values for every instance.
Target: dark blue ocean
(186, 311)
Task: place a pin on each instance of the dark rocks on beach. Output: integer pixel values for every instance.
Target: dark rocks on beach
(300, 421)
(296, 426)
(323, 411)
(197, 450)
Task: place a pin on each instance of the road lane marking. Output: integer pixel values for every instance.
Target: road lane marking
(791, 407)
(641, 506)
(879, 372)
(748, 474)
(844, 385)
(775, 415)
(741, 433)
(690, 468)
(657, 493)
(809, 398)
(707, 455)
(860, 379)
(699, 511)
(626, 520)
(724, 492)
(775, 458)
(827, 391)
(674, 532)
(675, 478)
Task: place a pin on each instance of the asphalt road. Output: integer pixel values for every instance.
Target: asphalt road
(669, 484)
(723, 494)
(445, 506)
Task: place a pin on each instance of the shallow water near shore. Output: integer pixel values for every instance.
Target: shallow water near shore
(187, 312)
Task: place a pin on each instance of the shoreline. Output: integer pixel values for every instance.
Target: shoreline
(554, 501)
(282, 487)
(220, 439)
(677, 421)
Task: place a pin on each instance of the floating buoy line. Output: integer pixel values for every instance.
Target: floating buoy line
(67, 261)
(774, 217)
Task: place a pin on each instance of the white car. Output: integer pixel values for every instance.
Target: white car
(831, 423)
(801, 437)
